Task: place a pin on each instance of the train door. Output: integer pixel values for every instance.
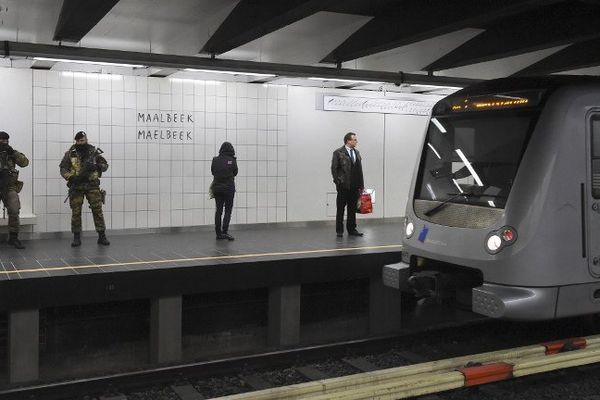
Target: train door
(591, 208)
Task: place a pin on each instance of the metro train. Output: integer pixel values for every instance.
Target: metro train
(504, 209)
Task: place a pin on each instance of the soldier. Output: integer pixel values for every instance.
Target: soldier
(82, 166)
(10, 186)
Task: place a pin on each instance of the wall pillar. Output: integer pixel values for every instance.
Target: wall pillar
(165, 329)
(23, 345)
(284, 315)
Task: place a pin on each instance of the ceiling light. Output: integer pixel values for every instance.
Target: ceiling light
(111, 64)
(214, 71)
(91, 75)
(435, 86)
(344, 80)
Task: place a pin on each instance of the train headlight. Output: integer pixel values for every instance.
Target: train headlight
(409, 228)
(493, 243)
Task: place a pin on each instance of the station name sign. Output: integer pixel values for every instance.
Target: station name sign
(381, 106)
(155, 127)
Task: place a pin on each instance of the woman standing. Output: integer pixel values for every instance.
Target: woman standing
(224, 169)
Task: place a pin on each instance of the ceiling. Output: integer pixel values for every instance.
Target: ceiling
(480, 39)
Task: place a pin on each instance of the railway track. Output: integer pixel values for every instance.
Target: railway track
(443, 375)
(391, 367)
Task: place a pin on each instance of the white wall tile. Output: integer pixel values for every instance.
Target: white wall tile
(53, 114)
(52, 79)
(66, 80)
(117, 100)
(39, 95)
(117, 83)
(39, 78)
(161, 183)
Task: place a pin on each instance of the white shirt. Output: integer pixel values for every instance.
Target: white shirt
(350, 153)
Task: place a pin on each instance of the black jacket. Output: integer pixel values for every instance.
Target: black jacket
(224, 169)
(342, 171)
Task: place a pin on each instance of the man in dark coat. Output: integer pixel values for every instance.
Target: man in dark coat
(224, 169)
(346, 169)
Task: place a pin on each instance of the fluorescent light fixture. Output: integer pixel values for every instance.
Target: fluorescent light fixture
(91, 74)
(214, 71)
(439, 125)
(469, 167)
(491, 203)
(435, 86)
(111, 64)
(434, 150)
(343, 80)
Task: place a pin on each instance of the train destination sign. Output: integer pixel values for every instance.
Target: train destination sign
(496, 101)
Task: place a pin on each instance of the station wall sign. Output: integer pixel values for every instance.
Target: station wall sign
(148, 126)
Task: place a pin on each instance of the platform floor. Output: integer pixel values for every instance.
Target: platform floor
(45, 258)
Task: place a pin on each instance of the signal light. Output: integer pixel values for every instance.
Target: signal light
(508, 235)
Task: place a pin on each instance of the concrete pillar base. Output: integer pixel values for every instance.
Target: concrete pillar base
(23, 345)
(284, 315)
(384, 308)
(165, 329)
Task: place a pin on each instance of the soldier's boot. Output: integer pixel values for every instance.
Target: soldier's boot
(76, 239)
(102, 239)
(13, 240)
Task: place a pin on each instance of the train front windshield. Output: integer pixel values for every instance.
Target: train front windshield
(472, 158)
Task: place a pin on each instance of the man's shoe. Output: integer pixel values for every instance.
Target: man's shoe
(220, 236)
(76, 239)
(102, 239)
(13, 240)
(339, 234)
(355, 233)
(228, 237)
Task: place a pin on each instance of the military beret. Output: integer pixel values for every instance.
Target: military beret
(80, 135)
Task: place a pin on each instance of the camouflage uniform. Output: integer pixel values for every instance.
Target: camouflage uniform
(83, 169)
(10, 186)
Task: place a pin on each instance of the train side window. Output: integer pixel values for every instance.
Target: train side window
(596, 156)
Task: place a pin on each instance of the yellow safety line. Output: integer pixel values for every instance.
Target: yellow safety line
(227, 257)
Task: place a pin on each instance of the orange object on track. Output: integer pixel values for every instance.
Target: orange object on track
(481, 374)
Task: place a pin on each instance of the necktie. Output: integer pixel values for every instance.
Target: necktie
(353, 156)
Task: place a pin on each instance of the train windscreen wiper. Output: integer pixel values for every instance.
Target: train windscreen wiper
(435, 209)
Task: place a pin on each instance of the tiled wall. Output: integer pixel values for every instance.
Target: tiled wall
(159, 182)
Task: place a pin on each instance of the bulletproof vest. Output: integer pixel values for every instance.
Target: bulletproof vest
(4, 169)
(4, 165)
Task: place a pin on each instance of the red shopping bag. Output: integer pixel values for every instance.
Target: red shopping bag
(365, 205)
